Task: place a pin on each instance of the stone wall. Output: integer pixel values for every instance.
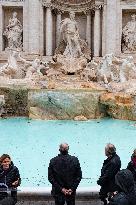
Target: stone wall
(15, 101)
(80, 104)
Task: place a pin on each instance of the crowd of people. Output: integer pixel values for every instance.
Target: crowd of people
(65, 174)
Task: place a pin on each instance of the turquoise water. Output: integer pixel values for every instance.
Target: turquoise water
(32, 143)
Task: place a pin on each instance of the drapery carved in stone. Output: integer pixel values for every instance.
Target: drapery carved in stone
(67, 5)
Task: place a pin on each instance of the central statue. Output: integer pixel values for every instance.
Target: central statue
(70, 44)
(70, 34)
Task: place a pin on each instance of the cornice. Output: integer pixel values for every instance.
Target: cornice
(74, 5)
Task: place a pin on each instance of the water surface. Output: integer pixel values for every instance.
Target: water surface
(32, 143)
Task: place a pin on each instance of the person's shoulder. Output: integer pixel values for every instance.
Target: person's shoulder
(116, 158)
(54, 158)
(130, 164)
(15, 168)
(120, 199)
(73, 157)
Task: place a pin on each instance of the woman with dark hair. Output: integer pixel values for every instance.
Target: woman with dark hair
(126, 194)
(132, 164)
(9, 180)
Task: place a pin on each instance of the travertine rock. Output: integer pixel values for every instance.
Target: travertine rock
(80, 118)
(119, 105)
(64, 104)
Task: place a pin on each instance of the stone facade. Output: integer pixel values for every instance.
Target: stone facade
(100, 22)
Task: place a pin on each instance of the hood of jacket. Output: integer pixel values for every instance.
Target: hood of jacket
(125, 181)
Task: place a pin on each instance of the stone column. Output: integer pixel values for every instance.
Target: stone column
(111, 26)
(26, 27)
(1, 29)
(49, 30)
(34, 26)
(58, 22)
(97, 34)
(88, 29)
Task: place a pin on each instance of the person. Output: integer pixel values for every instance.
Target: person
(13, 32)
(126, 194)
(129, 35)
(64, 173)
(109, 169)
(132, 165)
(69, 31)
(9, 178)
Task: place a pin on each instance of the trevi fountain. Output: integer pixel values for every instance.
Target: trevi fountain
(68, 59)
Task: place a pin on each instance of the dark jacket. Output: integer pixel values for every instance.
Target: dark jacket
(109, 169)
(132, 168)
(126, 196)
(8, 177)
(64, 171)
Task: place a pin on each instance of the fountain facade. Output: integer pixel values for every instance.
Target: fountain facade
(70, 59)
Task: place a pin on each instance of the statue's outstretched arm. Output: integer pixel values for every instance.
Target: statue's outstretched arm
(24, 61)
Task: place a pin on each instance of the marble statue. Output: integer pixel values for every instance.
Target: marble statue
(70, 44)
(10, 69)
(13, 32)
(34, 69)
(72, 52)
(126, 69)
(129, 35)
(89, 73)
(70, 34)
(104, 72)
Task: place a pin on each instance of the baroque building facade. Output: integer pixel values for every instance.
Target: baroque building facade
(104, 24)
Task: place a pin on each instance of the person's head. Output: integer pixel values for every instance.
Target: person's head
(5, 161)
(63, 148)
(14, 14)
(125, 181)
(72, 15)
(133, 17)
(134, 153)
(110, 149)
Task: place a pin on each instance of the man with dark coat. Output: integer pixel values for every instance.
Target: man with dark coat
(126, 195)
(109, 169)
(64, 173)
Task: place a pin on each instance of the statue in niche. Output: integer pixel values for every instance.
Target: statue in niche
(129, 35)
(72, 52)
(13, 32)
(70, 43)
